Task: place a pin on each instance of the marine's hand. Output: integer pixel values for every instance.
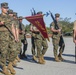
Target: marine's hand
(2, 23)
(17, 40)
(59, 30)
(74, 41)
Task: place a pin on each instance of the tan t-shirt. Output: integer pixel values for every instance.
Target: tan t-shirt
(74, 28)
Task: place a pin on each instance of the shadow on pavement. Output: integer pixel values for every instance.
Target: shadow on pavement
(49, 58)
(52, 59)
(69, 61)
(29, 59)
(70, 55)
(18, 67)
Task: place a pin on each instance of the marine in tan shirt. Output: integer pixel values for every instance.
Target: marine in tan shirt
(74, 32)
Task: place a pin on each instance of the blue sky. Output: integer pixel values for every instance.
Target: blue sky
(66, 8)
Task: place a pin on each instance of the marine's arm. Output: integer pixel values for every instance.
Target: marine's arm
(53, 29)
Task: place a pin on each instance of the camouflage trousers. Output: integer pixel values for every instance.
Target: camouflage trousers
(21, 37)
(18, 46)
(55, 42)
(5, 48)
(33, 46)
(12, 50)
(41, 45)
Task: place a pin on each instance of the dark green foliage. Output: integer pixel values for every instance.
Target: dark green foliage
(27, 28)
(67, 25)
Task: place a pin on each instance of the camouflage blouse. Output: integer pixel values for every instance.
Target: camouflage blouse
(52, 25)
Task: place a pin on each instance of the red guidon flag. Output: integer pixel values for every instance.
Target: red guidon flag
(38, 21)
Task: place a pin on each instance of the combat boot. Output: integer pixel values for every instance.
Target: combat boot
(42, 57)
(60, 57)
(21, 56)
(25, 56)
(40, 60)
(5, 71)
(18, 59)
(10, 67)
(14, 63)
(57, 59)
(34, 58)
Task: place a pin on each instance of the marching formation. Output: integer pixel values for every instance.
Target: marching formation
(12, 34)
(13, 42)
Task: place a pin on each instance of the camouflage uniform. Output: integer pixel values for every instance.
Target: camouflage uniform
(16, 26)
(21, 37)
(17, 43)
(8, 21)
(41, 44)
(6, 34)
(56, 39)
(12, 43)
(33, 40)
(4, 39)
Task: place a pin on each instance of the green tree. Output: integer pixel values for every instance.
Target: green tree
(67, 25)
(27, 28)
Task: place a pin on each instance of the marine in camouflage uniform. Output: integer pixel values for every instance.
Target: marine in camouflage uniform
(21, 37)
(33, 38)
(41, 44)
(56, 39)
(5, 35)
(13, 44)
(18, 41)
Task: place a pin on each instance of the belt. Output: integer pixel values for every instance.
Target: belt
(36, 32)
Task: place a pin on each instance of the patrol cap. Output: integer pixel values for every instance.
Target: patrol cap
(10, 11)
(20, 17)
(40, 12)
(14, 14)
(5, 5)
(57, 15)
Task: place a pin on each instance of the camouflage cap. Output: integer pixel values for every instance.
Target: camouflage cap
(57, 15)
(14, 14)
(20, 17)
(10, 11)
(40, 12)
(5, 5)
